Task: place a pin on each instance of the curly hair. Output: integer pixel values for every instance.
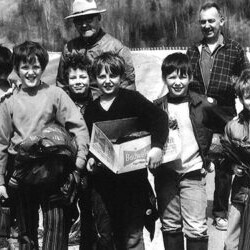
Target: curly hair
(76, 61)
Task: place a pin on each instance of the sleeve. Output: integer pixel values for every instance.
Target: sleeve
(188, 53)
(129, 79)
(242, 62)
(70, 117)
(6, 130)
(88, 116)
(227, 132)
(154, 119)
(60, 80)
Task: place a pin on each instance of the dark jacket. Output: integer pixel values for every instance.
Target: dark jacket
(230, 60)
(238, 130)
(198, 117)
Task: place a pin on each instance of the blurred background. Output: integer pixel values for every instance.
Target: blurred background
(137, 23)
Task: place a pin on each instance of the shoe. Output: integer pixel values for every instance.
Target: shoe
(74, 238)
(4, 244)
(40, 233)
(220, 223)
(14, 232)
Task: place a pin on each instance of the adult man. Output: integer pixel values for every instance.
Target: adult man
(216, 61)
(93, 41)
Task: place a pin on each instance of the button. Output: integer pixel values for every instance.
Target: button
(210, 99)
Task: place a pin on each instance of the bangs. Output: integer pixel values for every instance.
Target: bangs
(110, 68)
(31, 59)
(176, 62)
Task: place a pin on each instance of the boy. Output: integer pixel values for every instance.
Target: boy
(26, 112)
(6, 67)
(237, 130)
(119, 201)
(77, 73)
(7, 87)
(180, 184)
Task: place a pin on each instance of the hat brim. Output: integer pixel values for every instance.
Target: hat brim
(85, 13)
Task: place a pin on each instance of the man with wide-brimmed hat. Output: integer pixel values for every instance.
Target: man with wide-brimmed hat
(93, 41)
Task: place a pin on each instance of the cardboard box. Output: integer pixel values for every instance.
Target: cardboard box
(124, 157)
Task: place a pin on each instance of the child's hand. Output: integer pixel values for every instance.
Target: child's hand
(91, 165)
(3, 193)
(238, 170)
(154, 158)
(80, 163)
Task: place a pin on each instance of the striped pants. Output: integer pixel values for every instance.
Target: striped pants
(55, 221)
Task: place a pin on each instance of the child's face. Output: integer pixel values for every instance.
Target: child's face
(177, 84)
(108, 83)
(30, 73)
(246, 101)
(78, 81)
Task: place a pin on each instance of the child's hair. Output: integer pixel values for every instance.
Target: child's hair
(111, 62)
(176, 62)
(76, 61)
(242, 86)
(6, 65)
(27, 52)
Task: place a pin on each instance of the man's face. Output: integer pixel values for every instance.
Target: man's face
(88, 25)
(211, 23)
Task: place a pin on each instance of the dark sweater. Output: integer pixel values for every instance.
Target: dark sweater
(116, 190)
(131, 104)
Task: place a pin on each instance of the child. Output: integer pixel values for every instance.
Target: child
(6, 89)
(180, 184)
(6, 85)
(78, 72)
(25, 113)
(119, 201)
(238, 130)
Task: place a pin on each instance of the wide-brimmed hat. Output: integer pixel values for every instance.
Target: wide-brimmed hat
(84, 7)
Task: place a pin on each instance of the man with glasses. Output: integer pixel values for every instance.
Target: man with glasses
(217, 61)
(93, 41)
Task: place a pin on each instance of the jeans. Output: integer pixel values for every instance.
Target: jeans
(234, 226)
(223, 180)
(182, 202)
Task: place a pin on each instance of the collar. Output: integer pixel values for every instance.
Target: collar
(194, 98)
(244, 115)
(177, 100)
(222, 41)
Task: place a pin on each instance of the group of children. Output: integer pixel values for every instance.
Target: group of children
(113, 207)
